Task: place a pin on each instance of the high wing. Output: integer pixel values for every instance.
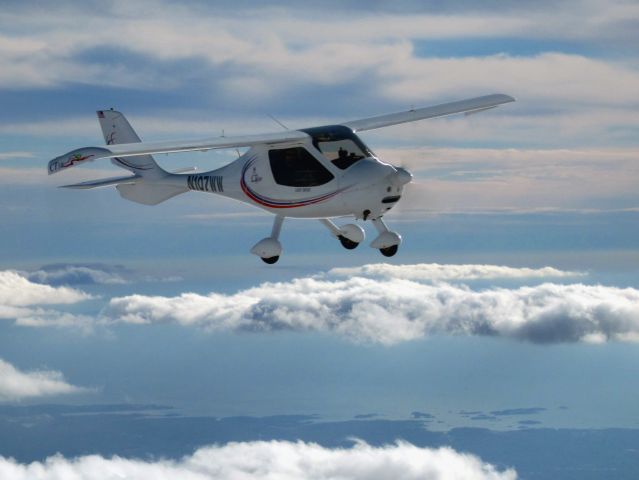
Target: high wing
(88, 154)
(85, 154)
(470, 105)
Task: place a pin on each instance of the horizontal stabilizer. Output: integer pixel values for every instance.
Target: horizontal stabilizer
(75, 157)
(106, 182)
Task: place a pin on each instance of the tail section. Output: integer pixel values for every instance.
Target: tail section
(117, 129)
(149, 185)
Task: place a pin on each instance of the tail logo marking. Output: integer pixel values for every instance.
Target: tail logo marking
(73, 159)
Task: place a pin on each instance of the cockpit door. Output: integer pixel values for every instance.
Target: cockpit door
(296, 167)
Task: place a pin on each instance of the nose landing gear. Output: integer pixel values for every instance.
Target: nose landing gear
(387, 242)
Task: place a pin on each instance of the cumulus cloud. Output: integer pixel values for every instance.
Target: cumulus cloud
(18, 385)
(18, 291)
(22, 301)
(380, 303)
(395, 309)
(274, 459)
(435, 271)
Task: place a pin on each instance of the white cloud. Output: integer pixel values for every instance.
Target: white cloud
(18, 385)
(382, 303)
(434, 271)
(272, 460)
(21, 300)
(392, 310)
(18, 291)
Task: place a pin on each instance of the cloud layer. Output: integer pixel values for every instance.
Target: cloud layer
(402, 304)
(274, 459)
(252, 57)
(18, 385)
(378, 303)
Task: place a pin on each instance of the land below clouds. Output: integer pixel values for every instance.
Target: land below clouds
(32, 433)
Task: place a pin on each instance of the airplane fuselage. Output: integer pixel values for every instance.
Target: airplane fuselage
(298, 180)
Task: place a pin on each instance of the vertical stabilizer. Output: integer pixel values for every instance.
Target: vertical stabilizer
(148, 186)
(117, 129)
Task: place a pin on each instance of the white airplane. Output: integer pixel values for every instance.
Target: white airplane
(320, 172)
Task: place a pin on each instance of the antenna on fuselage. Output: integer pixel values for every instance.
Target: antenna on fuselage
(277, 121)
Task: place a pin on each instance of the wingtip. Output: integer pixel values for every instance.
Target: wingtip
(507, 98)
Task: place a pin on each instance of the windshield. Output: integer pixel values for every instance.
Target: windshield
(339, 145)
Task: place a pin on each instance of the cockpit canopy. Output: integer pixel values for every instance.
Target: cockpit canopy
(339, 145)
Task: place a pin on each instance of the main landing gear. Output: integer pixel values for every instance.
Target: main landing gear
(269, 249)
(350, 236)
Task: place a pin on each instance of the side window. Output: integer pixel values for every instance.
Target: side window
(295, 167)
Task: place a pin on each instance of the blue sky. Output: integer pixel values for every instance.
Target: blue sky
(103, 301)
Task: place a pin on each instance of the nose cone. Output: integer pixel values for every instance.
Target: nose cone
(367, 172)
(403, 176)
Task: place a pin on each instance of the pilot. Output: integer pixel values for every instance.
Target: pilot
(342, 153)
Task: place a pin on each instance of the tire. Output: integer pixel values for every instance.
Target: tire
(270, 260)
(389, 251)
(347, 243)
